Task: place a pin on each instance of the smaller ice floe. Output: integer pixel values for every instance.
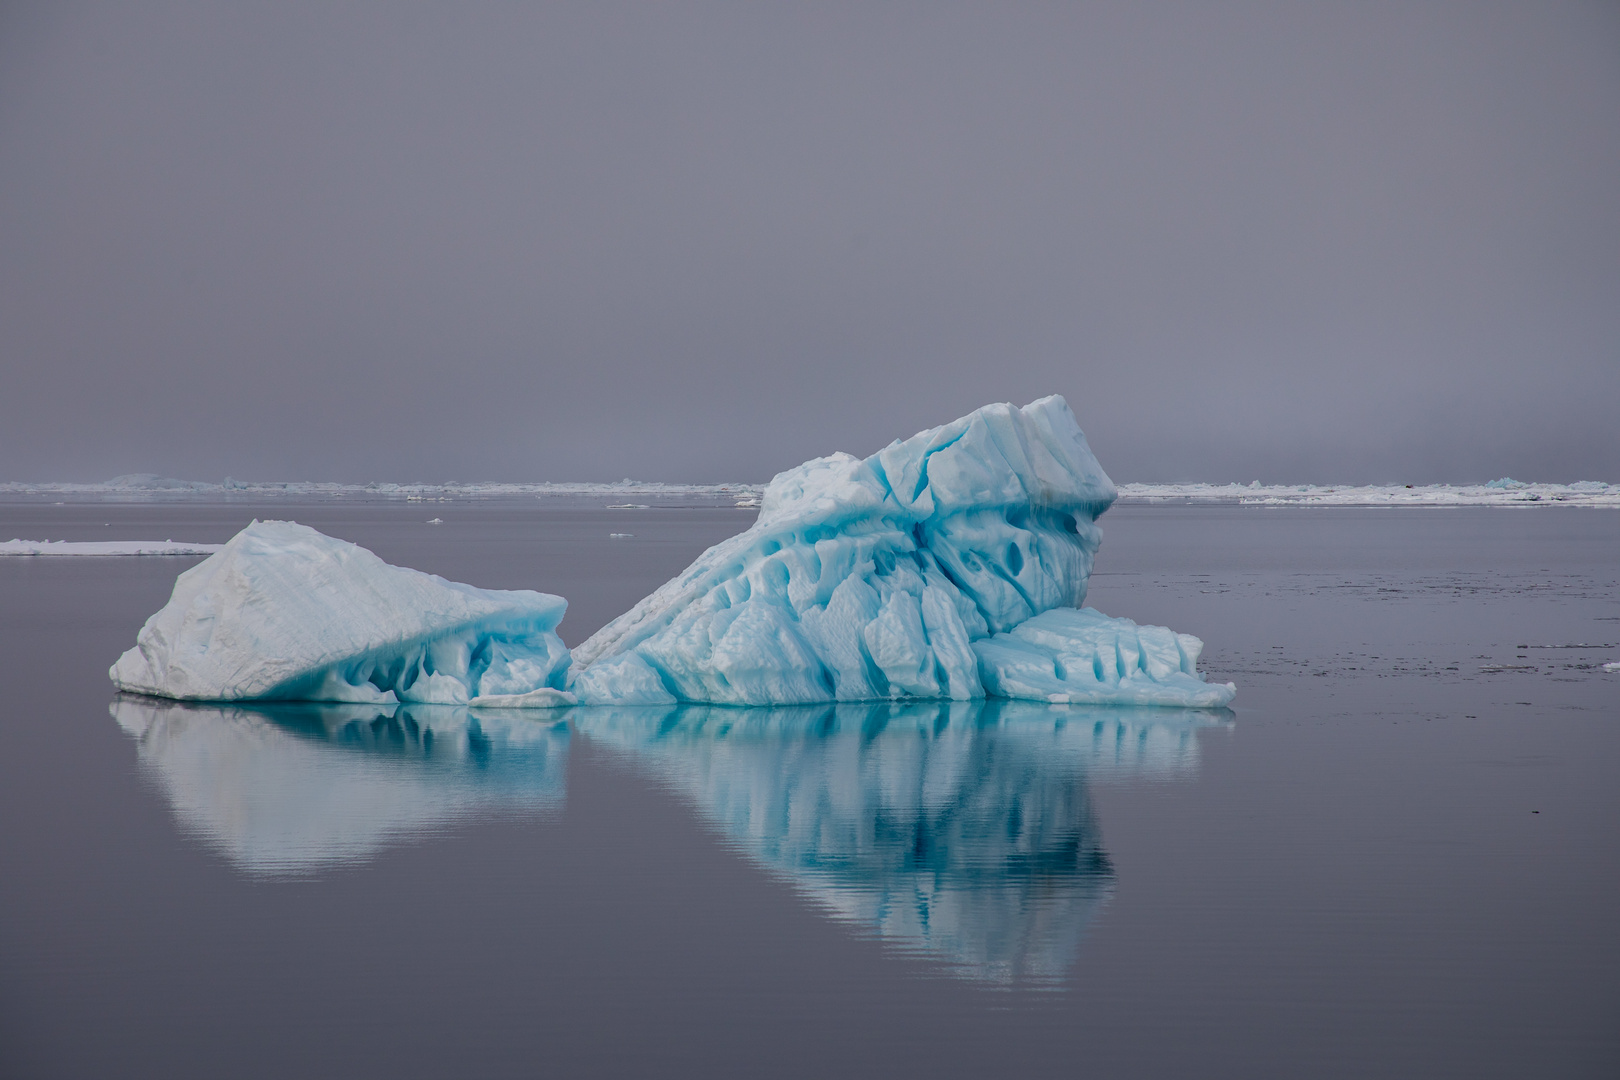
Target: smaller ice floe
(1085, 657)
(1612, 667)
(285, 613)
(105, 547)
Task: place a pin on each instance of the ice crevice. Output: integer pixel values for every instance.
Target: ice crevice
(951, 565)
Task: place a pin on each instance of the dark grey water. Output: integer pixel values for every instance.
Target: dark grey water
(1398, 855)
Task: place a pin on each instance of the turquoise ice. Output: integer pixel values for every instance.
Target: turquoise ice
(950, 566)
(904, 575)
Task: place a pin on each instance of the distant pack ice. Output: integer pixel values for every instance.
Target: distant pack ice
(907, 574)
(286, 613)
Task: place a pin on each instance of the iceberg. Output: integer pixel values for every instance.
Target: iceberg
(950, 566)
(283, 612)
(904, 575)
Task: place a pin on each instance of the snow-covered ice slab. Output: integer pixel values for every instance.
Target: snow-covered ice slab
(105, 547)
(1086, 658)
(874, 578)
(283, 612)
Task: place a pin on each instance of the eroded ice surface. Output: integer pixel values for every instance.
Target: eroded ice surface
(1085, 657)
(283, 612)
(876, 578)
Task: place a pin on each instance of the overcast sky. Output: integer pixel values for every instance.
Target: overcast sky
(1336, 242)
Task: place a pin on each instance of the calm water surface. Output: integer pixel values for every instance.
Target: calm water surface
(1399, 854)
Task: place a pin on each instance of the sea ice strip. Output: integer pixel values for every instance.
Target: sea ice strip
(105, 547)
(283, 612)
(1084, 657)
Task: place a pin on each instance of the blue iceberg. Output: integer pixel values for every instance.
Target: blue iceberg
(950, 566)
(905, 575)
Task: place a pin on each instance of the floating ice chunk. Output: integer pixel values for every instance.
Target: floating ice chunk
(869, 579)
(1612, 667)
(283, 612)
(1085, 657)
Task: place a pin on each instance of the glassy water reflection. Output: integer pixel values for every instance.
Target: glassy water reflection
(291, 789)
(961, 831)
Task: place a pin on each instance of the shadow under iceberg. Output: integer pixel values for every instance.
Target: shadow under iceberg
(960, 831)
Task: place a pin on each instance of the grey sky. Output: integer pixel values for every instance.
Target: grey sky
(1332, 242)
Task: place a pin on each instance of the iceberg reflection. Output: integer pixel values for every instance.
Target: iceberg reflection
(963, 831)
(296, 788)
